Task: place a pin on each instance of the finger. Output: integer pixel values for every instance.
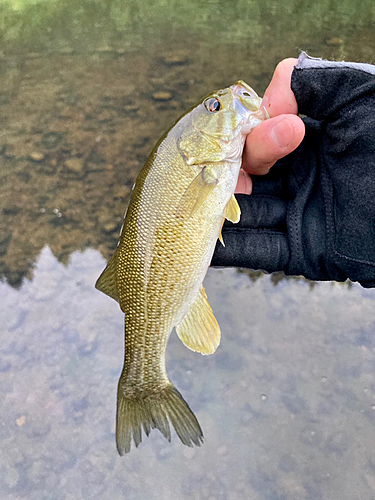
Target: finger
(271, 140)
(279, 98)
(244, 183)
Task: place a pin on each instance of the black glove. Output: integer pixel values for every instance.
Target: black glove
(314, 213)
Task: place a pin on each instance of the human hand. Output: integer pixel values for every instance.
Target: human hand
(277, 137)
(313, 214)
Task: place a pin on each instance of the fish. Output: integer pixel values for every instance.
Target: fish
(179, 203)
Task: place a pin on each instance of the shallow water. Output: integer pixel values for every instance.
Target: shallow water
(287, 404)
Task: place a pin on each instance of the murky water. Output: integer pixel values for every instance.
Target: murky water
(287, 404)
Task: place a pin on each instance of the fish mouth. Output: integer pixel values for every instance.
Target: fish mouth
(247, 100)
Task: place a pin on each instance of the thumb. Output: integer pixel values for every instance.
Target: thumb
(277, 137)
(269, 141)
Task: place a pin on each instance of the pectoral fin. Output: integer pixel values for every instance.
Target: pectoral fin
(199, 330)
(221, 234)
(195, 195)
(232, 210)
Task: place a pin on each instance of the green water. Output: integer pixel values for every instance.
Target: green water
(287, 402)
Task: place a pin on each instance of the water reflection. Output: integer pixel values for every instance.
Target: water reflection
(286, 403)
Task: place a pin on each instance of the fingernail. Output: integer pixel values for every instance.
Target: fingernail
(244, 184)
(265, 102)
(282, 133)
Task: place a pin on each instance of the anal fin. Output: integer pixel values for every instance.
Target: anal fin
(199, 330)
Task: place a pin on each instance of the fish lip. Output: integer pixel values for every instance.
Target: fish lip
(246, 95)
(241, 86)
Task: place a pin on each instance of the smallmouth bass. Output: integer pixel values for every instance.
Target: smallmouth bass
(176, 212)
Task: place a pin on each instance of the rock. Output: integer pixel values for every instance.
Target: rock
(176, 58)
(110, 227)
(21, 421)
(157, 81)
(335, 41)
(95, 158)
(120, 191)
(37, 156)
(51, 139)
(162, 96)
(131, 109)
(75, 164)
(11, 210)
(105, 116)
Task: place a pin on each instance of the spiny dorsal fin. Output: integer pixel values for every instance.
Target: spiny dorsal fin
(199, 330)
(232, 210)
(106, 282)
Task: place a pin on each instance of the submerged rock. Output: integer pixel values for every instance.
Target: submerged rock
(51, 139)
(162, 96)
(37, 156)
(75, 164)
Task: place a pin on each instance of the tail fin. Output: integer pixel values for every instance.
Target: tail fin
(152, 412)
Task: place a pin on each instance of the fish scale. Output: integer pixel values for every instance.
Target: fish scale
(178, 205)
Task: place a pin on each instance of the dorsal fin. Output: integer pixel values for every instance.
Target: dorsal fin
(106, 282)
(199, 330)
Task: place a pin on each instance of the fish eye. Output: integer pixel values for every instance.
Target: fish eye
(212, 105)
(246, 94)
